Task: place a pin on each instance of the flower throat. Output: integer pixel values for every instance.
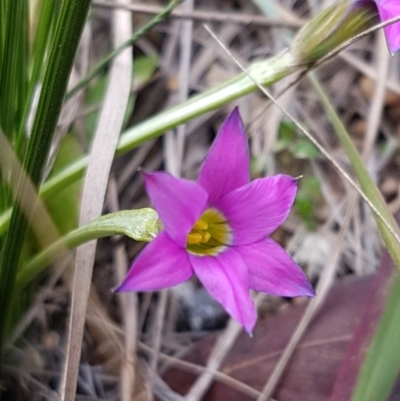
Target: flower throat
(210, 234)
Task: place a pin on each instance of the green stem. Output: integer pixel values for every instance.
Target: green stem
(140, 225)
(266, 72)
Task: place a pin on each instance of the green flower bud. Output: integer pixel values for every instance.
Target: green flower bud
(331, 28)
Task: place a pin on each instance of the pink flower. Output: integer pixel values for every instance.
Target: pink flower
(218, 228)
(389, 9)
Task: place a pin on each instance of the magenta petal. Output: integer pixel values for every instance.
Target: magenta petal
(273, 271)
(226, 278)
(161, 264)
(179, 203)
(258, 208)
(227, 165)
(389, 9)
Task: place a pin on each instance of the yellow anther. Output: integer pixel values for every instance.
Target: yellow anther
(194, 238)
(205, 237)
(200, 225)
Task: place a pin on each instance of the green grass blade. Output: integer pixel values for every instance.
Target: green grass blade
(23, 62)
(381, 365)
(47, 16)
(367, 184)
(68, 31)
(2, 28)
(14, 19)
(11, 68)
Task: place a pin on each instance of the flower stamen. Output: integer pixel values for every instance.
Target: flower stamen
(199, 233)
(210, 234)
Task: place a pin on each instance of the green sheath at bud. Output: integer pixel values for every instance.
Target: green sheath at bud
(331, 28)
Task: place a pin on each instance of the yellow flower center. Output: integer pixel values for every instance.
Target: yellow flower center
(210, 234)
